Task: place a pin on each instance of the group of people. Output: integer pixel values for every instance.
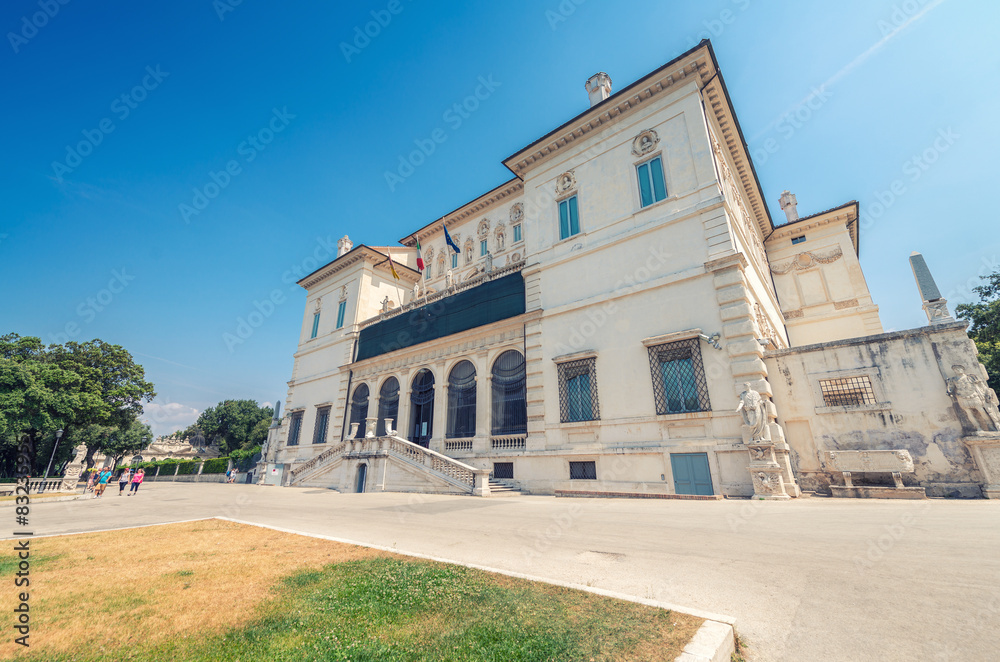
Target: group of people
(98, 482)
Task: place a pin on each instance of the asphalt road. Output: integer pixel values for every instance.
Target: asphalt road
(810, 579)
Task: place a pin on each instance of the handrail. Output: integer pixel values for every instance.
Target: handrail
(454, 289)
(336, 450)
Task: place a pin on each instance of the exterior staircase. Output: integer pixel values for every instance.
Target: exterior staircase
(389, 464)
(504, 488)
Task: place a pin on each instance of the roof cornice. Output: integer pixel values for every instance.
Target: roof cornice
(846, 213)
(697, 63)
(363, 254)
(477, 206)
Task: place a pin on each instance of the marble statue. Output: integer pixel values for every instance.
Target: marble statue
(754, 411)
(975, 398)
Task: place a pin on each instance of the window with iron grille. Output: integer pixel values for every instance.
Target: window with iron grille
(388, 404)
(583, 470)
(678, 373)
(503, 470)
(322, 421)
(461, 401)
(359, 409)
(295, 429)
(847, 391)
(578, 391)
(510, 410)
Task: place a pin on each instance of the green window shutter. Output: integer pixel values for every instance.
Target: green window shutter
(574, 217)
(341, 310)
(645, 194)
(315, 329)
(656, 172)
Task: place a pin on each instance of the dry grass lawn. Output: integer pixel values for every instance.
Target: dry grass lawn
(214, 589)
(149, 584)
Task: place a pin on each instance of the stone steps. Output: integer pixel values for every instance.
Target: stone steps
(498, 489)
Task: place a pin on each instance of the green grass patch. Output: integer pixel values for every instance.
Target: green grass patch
(393, 609)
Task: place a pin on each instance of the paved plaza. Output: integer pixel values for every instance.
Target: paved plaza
(811, 579)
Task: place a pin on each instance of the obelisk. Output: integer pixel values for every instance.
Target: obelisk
(935, 305)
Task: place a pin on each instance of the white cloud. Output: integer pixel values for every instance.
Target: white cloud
(169, 416)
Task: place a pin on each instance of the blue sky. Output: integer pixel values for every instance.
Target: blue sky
(94, 241)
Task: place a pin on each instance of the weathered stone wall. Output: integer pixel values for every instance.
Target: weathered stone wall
(913, 411)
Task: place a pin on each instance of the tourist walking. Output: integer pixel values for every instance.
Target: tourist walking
(123, 480)
(137, 481)
(102, 483)
(90, 480)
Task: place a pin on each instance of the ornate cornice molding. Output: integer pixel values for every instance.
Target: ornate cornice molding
(696, 64)
(478, 206)
(358, 254)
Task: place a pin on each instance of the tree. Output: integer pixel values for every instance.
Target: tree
(66, 387)
(985, 327)
(235, 424)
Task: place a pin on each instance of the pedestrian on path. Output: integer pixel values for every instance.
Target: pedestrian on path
(123, 480)
(137, 481)
(102, 483)
(90, 480)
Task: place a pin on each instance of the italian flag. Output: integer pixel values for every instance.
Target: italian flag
(420, 259)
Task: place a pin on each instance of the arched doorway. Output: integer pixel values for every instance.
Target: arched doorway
(461, 401)
(422, 405)
(359, 409)
(510, 411)
(388, 405)
(362, 478)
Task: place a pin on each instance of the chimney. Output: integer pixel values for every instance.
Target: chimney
(789, 205)
(344, 246)
(598, 87)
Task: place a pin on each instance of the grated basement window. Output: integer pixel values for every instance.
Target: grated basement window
(847, 391)
(678, 374)
(578, 391)
(583, 470)
(503, 470)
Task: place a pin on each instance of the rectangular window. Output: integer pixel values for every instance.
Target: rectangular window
(503, 470)
(454, 260)
(341, 311)
(517, 233)
(847, 391)
(798, 240)
(652, 187)
(322, 421)
(583, 471)
(482, 248)
(569, 218)
(578, 391)
(678, 377)
(295, 429)
(315, 330)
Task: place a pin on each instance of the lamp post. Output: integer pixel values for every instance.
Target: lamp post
(52, 457)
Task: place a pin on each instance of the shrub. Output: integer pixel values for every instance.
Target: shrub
(188, 468)
(217, 466)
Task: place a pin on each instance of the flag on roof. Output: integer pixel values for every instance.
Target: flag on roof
(420, 259)
(392, 267)
(448, 240)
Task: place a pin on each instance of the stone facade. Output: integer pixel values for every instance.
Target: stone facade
(655, 293)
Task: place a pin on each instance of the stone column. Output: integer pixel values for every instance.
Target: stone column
(403, 412)
(484, 381)
(440, 415)
(769, 465)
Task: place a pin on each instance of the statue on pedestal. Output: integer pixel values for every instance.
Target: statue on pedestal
(754, 412)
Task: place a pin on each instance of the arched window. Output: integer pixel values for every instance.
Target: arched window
(422, 407)
(510, 411)
(359, 409)
(388, 404)
(462, 401)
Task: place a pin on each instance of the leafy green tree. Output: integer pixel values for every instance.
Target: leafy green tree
(985, 327)
(235, 424)
(66, 387)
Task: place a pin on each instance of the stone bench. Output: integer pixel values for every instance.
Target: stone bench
(895, 462)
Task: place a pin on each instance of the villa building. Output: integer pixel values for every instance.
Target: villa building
(624, 317)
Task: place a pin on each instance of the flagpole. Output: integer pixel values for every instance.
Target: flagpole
(399, 292)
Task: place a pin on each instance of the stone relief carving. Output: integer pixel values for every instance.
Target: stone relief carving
(807, 260)
(766, 329)
(754, 412)
(429, 261)
(484, 228)
(343, 293)
(517, 212)
(645, 142)
(849, 303)
(319, 304)
(565, 182)
(976, 400)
